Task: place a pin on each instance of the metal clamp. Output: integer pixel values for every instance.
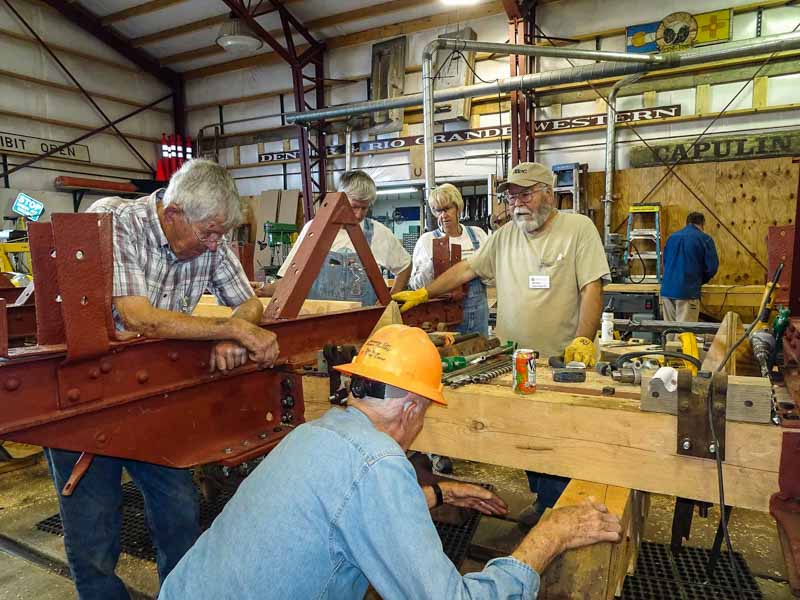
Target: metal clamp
(694, 433)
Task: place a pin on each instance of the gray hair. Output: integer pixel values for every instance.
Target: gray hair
(444, 195)
(358, 186)
(203, 190)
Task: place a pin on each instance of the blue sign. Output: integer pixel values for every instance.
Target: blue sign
(28, 207)
(642, 38)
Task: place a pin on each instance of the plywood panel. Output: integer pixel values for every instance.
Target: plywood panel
(748, 196)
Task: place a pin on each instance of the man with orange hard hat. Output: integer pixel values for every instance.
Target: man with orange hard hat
(337, 506)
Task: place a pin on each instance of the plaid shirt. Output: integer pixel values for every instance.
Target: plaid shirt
(144, 264)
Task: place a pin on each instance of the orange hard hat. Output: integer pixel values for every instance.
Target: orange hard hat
(401, 356)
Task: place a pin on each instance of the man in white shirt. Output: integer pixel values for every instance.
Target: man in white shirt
(342, 276)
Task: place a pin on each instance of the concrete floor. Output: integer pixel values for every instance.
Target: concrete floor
(27, 496)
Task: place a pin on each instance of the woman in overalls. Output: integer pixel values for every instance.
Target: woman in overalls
(447, 205)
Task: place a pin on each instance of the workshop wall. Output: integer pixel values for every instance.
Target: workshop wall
(469, 161)
(29, 107)
(742, 200)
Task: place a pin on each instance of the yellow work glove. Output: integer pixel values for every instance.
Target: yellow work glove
(411, 298)
(581, 349)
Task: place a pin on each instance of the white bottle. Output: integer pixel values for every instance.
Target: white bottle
(607, 328)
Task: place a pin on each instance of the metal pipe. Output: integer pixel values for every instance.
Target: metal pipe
(348, 149)
(611, 149)
(550, 51)
(764, 45)
(427, 128)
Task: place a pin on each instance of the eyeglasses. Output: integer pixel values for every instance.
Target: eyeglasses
(440, 211)
(209, 237)
(525, 195)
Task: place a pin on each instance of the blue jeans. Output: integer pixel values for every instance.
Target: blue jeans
(475, 307)
(548, 488)
(92, 518)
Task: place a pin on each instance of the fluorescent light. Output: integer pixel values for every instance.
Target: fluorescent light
(398, 190)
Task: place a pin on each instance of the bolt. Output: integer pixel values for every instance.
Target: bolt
(287, 402)
(712, 448)
(227, 451)
(262, 436)
(608, 391)
(94, 373)
(73, 395)
(245, 444)
(684, 405)
(173, 356)
(100, 438)
(686, 443)
(226, 471)
(11, 384)
(288, 383)
(105, 366)
(142, 376)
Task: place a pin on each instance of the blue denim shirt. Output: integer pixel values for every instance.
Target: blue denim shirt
(690, 260)
(334, 507)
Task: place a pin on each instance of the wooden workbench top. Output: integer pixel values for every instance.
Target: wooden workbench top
(579, 433)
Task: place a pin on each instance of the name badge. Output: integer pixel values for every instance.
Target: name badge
(539, 282)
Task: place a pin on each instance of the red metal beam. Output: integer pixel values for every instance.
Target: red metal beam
(512, 9)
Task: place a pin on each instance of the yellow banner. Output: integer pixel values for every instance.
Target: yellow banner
(713, 27)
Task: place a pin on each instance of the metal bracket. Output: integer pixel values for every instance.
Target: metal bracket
(694, 434)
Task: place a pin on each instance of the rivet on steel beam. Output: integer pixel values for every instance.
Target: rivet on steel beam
(142, 376)
(105, 366)
(245, 444)
(227, 450)
(11, 384)
(269, 417)
(100, 438)
(173, 356)
(203, 364)
(84, 300)
(58, 299)
(73, 394)
(94, 373)
(53, 253)
(262, 436)
(79, 255)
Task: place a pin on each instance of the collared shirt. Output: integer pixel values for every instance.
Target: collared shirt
(334, 507)
(690, 260)
(144, 264)
(387, 249)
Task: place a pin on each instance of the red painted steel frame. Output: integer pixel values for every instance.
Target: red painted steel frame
(155, 400)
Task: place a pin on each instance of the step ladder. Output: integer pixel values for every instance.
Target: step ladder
(569, 190)
(644, 240)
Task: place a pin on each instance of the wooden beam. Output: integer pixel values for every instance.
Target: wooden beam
(73, 125)
(760, 87)
(192, 54)
(376, 33)
(69, 51)
(139, 10)
(89, 22)
(172, 32)
(590, 437)
(74, 90)
(702, 99)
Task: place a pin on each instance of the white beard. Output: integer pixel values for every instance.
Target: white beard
(528, 222)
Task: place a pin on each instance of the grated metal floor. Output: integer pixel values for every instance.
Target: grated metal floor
(456, 537)
(662, 576)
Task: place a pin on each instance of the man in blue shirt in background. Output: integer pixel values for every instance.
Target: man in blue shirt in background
(690, 260)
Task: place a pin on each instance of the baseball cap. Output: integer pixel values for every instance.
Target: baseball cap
(528, 174)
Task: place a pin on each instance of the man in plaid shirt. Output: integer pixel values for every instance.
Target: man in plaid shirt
(169, 248)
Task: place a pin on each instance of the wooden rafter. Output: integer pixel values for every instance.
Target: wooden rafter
(329, 21)
(361, 37)
(139, 10)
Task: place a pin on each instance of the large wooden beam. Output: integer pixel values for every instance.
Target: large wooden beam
(139, 10)
(590, 437)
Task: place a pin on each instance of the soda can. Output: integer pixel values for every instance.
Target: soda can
(524, 364)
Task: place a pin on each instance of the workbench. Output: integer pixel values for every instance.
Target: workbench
(574, 431)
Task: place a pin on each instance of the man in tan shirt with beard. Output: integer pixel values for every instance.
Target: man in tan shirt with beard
(549, 268)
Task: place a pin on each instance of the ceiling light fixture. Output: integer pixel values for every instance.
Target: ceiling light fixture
(237, 38)
(398, 190)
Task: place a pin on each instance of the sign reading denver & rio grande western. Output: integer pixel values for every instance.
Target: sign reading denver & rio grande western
(25, 144)
(715, 148)
(485, 133)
